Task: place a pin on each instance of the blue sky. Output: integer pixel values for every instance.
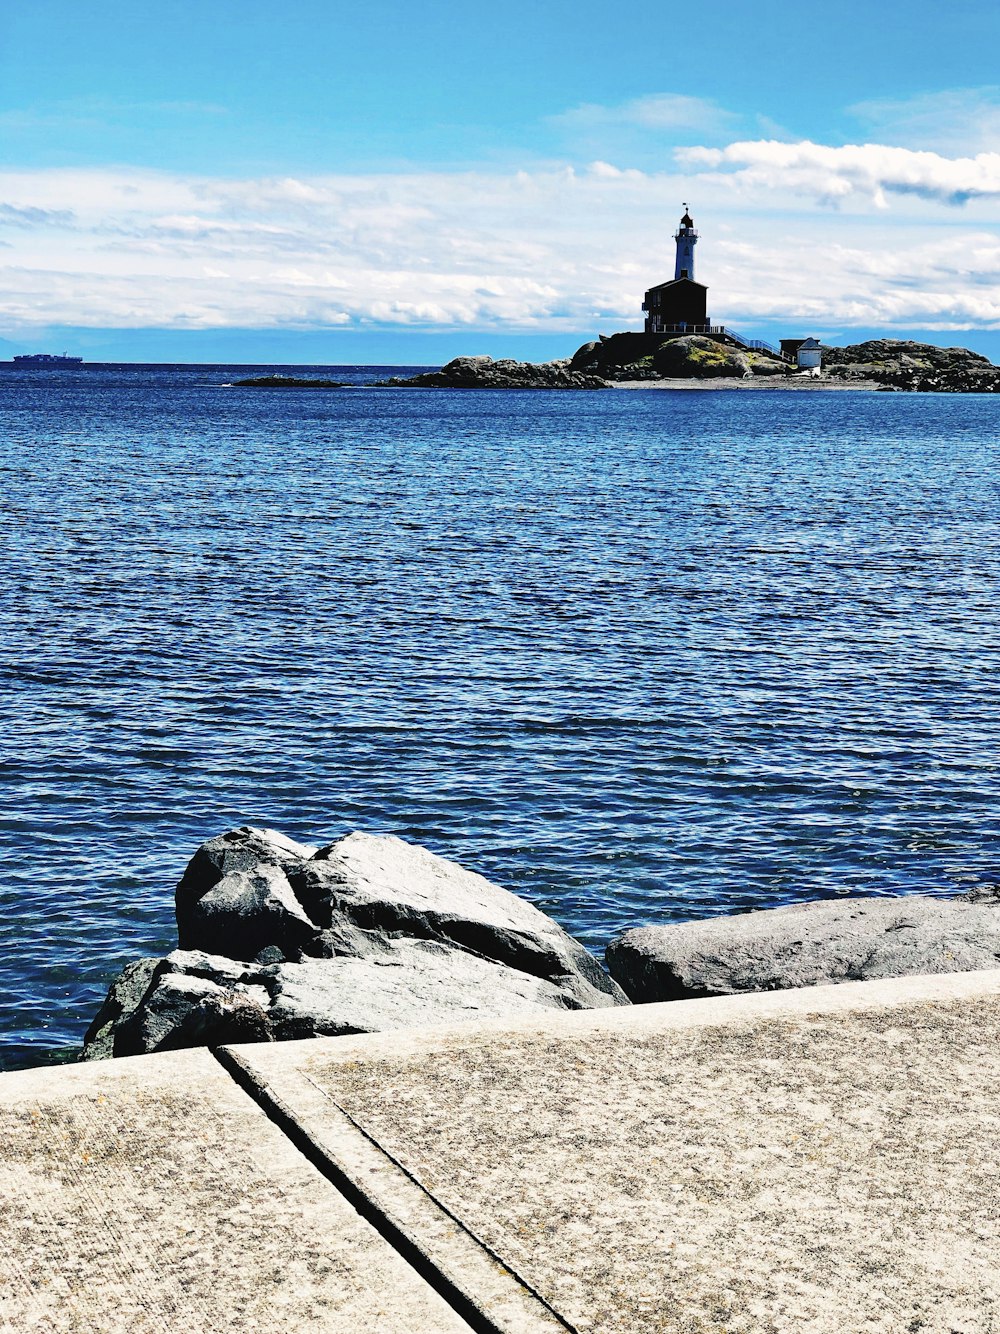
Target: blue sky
(386, 182)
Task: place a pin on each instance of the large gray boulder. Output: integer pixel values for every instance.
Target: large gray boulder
(485, 373)
(240, 850)
(247, 912)
(808, 944)
(278, 940)
(124, 997)
(388, 888)
(193, 999)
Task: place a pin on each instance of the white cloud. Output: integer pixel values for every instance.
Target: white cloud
(833, 174)
(553, 249)
(511, 250)
(879, 280)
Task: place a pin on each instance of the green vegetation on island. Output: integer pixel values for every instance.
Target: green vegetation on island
(890, 364)
(643, 356)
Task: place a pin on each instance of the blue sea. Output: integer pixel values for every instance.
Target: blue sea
(639, 656)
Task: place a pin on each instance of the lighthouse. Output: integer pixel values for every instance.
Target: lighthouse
(679, 306)
(686, 238)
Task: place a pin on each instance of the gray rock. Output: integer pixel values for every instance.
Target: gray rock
(631, 355)
(192, 998)
(123, 999)
(226, 973)
(643, 356)
(418, 982)
(245, 849)
(701, 358)
(288, 382)
(902, 364)
(485, 373)
(196, 999)
(381, 887)
(987, 891)
(279, 941)
(247, 912)
(809, 944)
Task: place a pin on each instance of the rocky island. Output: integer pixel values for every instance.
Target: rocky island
(287, 382)
(485, 373)
(680, 347)
(921, 367)
(641, 360)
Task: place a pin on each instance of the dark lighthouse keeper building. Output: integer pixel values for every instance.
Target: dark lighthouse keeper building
(678, 307)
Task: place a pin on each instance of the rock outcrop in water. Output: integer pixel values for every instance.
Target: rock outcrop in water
(809, 944)
(288, 382)
(623, 356)
(642, 356)
(281, 941)
(485, 373)
(889, 363)
(899, 364)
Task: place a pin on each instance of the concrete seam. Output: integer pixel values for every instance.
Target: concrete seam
(369, 1208)
(463, 1227)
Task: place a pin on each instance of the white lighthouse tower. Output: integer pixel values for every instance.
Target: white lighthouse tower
(686, 238)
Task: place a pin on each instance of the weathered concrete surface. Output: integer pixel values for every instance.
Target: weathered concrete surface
(154, 1195)
(808, 944)
(281, 941)
(818, 1161)
(800, 1162)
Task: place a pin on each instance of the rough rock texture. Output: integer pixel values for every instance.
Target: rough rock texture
(235, 897)
(891, 363)
(485, 373)
(123, 998)
(901, 364)
(278, 940)
(641, 356)
(809, 944)
(703, 358)
(243, 849)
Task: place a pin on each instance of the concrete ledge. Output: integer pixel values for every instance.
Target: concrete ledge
(822, 1160)
(151, 1194)
(799, 1162)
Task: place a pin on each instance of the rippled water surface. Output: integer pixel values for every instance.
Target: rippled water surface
(639, 656)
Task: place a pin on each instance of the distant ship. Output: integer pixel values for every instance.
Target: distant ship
(48, 359)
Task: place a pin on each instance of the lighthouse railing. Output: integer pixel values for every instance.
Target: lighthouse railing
(752, 344)
(720, 331)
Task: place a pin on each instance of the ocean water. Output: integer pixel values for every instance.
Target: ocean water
(639, 656)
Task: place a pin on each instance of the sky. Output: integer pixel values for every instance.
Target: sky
(381, 182)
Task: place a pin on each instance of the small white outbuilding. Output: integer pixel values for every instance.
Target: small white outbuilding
(809, 354)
